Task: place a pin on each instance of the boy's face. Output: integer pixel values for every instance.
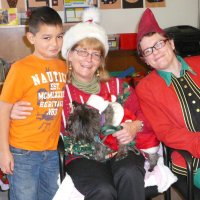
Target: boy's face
(47, 41)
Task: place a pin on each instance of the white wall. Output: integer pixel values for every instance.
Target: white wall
(176, 12)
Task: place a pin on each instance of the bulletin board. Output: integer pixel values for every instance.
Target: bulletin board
(122, 16)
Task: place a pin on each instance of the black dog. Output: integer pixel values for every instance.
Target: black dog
(85, 123)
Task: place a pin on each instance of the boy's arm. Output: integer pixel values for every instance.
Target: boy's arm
(6, 158)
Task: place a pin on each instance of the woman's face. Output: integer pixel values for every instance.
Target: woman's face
(85, 62)
(158, 52)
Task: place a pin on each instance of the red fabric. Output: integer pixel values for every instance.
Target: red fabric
(107, 97)
(128, 115)
(3, 178)
(162, 108)
(146, 141)
(111, 142)
(147, 24)
(128, 41)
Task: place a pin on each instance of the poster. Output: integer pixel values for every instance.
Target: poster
(73, 9)
(154, 3)
(19, 4)
(110, 4)
(132, 3)
(8, 17)
(55, 4)
(73, 14)
(80, 3)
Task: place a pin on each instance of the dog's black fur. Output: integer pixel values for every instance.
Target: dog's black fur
(84, 124)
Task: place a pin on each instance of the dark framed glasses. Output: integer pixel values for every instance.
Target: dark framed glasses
(158, 45)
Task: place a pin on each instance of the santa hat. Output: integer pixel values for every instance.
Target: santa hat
(97, 102)
(89, 28)
(101, 104)
(147, 24)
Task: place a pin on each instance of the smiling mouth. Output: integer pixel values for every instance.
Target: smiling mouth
(86, 66)
(54, 50)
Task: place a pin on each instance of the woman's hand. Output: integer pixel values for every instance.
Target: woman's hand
(21, 110)
(129, 131)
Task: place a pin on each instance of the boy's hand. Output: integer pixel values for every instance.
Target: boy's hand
(21, 110)
(6, 162)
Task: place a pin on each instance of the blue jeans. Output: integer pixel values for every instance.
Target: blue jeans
(35, 175)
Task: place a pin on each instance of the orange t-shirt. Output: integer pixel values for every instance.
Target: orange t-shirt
(42, 83)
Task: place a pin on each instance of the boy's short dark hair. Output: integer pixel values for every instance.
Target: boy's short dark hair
(43, 15)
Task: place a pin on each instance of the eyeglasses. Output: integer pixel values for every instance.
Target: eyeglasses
(83, 53)
(159, 45)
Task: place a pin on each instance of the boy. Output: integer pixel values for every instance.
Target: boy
(28, 147)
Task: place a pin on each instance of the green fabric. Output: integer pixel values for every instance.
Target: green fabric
(197, 178)
(121, 98)
(167, 76)
(83, 149)
(109, 129)
(92, 88)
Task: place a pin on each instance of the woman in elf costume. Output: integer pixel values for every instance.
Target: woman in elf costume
(170, 94)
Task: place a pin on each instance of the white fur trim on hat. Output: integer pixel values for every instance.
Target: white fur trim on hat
(87, 29)
(118, 113)
(97, 102)
(151, 150)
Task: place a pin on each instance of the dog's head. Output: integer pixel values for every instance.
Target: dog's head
(83, 122)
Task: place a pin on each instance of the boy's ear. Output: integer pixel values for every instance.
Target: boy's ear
(30, 37)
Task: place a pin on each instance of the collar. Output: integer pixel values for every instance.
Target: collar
(167, 76)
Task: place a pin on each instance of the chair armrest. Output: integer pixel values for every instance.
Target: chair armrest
(61, 152)
(189, 162)
(188, 159)
(167, 151)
